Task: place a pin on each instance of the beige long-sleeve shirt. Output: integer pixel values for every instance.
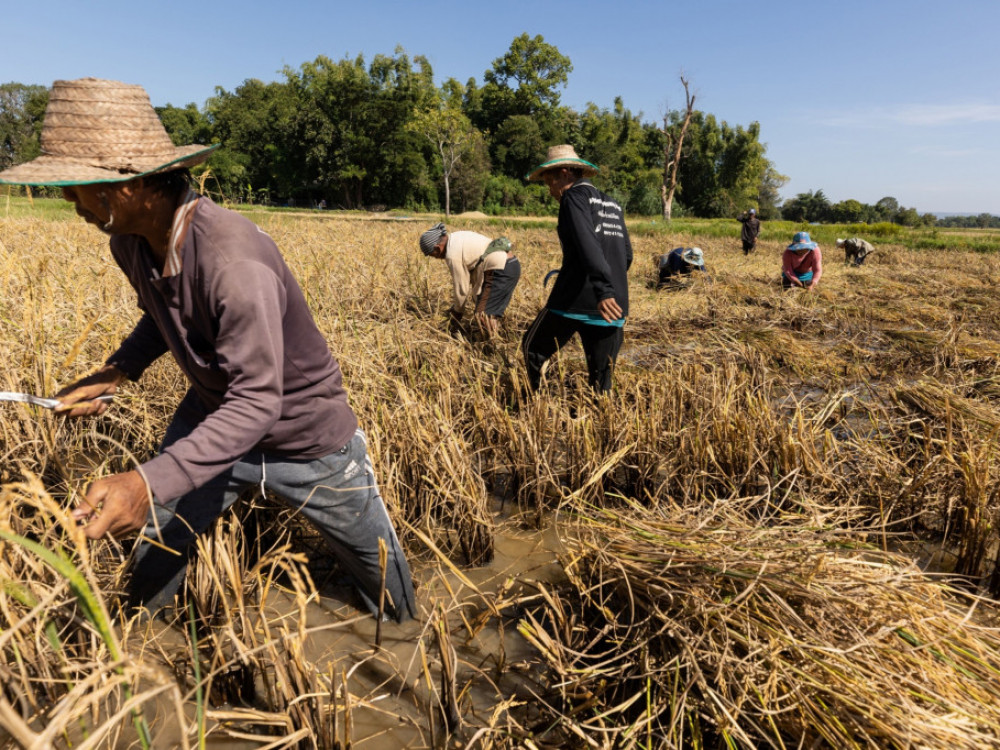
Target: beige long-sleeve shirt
(462, 253)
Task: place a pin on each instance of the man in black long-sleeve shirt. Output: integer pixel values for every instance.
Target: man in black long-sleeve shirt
(590, 296)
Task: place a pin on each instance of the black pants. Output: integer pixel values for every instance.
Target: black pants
(550, 333)
(498, 287)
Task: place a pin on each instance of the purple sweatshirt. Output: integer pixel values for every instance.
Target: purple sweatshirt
(238, 326)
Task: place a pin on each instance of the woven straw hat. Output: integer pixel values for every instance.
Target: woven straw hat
(562, 156)
(101, 131)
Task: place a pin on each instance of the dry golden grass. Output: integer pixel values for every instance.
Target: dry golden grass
(735, 518)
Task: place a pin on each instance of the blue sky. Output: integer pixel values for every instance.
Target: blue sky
(860, 99)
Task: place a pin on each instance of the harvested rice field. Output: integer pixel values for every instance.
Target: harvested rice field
(780, 530)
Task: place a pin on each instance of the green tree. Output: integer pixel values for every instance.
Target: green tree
(398, 170)
(886, 208)
(614, 140)
(472, 173)
(332, 126)
(722, 167)
(22, 109)
(351, 128)
(518, 104)
(256, 126)
(525, 81)
(907, 217)
(185, 125)
(518, 145)
(768, 197)
(848, 212)
(807, 207)
(450, 133)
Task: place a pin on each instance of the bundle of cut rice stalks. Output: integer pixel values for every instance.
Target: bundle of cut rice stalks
(687, 629)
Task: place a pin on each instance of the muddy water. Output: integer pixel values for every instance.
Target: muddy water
(389, 688)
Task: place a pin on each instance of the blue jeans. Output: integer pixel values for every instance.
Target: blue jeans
(336, 493)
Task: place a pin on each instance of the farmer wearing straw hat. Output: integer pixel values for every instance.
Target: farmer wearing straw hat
(487, 269)
(590, 294)
(801, 263)
(266, 405)
(680, 261)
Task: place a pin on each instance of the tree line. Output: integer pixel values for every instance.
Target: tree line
(380, 134)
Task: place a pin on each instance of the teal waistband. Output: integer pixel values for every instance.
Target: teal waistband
(804, 276)
(589, 318)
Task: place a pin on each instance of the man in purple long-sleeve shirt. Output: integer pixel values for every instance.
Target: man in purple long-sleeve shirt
(266, 405)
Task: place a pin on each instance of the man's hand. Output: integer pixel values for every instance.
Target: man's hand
(488, 324)
(609, 309)
(83, 391)
(455, 327)
(118, 505)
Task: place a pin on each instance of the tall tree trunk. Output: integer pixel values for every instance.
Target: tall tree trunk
(446, 169)
(672, 161)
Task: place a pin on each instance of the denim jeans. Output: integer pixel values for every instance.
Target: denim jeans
(336, 493)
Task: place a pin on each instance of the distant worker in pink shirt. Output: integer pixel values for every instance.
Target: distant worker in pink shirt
(801, 263)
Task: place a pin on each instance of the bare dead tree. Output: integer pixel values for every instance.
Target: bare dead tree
(672, 144)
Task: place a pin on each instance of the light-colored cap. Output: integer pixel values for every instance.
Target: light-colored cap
(693, 256)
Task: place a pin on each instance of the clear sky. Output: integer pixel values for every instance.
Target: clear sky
(860, 98)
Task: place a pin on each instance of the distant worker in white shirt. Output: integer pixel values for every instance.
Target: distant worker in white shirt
(484, 269)
(855, 250)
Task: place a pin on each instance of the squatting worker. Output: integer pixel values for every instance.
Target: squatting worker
(480, 267)
(590, 294)
(750, 230)
(855, 250)
(801, 263)
(678, 263)
(266, 405)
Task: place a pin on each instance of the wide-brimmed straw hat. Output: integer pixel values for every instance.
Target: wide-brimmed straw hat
(802, 241)
(562, 156)
(693, 256)
(101, 131)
